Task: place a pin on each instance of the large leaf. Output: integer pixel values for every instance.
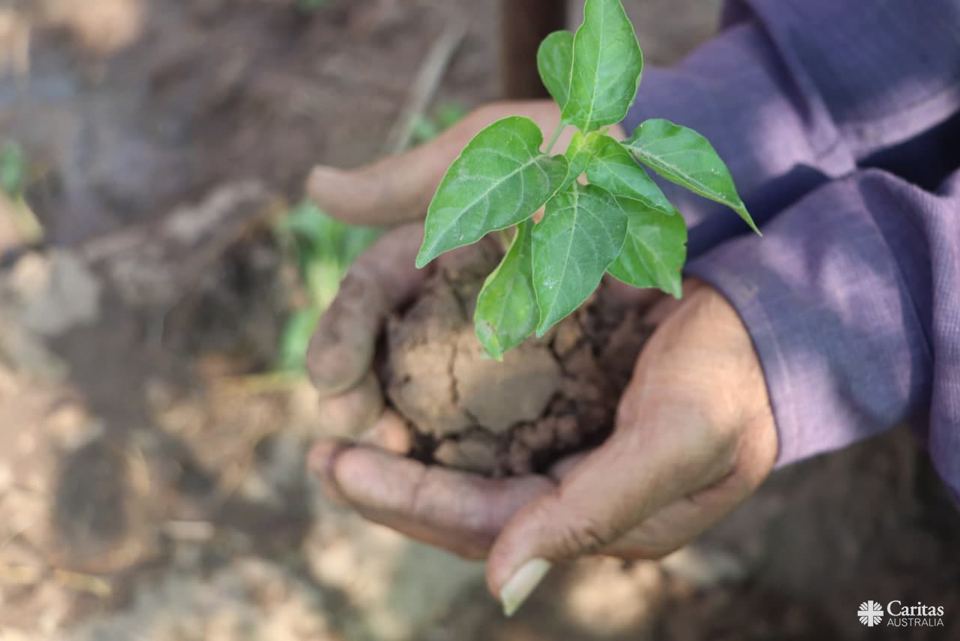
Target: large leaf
(507, 306)
(500, 179)
(654, 251)
(683, 156)
(613, 168)
(607, 64)
(580, 235)
(554, 60)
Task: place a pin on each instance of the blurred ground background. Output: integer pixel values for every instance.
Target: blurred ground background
(156, 272)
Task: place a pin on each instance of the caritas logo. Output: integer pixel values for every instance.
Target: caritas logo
(870, 613)
(899, 615)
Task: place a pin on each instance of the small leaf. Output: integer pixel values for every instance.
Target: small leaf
(613, 168)
(683, 156)
(554, 60)
(654, 251)
(578, 156)
(507, 311)
(500, 179)
(607, 64)
(580, 235)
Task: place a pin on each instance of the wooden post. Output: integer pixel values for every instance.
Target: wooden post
(523, 24)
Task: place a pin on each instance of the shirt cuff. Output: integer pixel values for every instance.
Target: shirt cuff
(831, 317)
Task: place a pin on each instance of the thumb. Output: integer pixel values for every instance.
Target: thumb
(396, 189)
(563, 524)
(399, 189)
(636, 472)
(342, 348)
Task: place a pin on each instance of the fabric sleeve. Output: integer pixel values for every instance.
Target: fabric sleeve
(852, 299)
(795, 93)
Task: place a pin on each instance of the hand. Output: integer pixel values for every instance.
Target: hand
(694, 437)
(392, 191)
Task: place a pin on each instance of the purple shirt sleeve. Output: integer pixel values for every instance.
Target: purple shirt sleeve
(852, 299)
(839, 121)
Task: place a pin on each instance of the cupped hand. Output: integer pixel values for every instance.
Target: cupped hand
(694, 433)
(395, 191)
(694, 437)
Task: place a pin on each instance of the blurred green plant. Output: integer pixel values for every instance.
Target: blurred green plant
(14, 170)
(426, 128)
(322, 249)
(15, 178)
(309, 6)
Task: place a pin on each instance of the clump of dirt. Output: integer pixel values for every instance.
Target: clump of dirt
(548, 398)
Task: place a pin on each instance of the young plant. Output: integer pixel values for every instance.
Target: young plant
(619, 223)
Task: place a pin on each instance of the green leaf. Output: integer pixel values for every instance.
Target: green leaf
(613, 168)
(500, 179)
(554, 60)
(683, 156)
(654, 251)
(580, 235)
(578, 156)
(607, 64)
(507, 311)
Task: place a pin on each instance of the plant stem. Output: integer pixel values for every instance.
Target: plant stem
(505, 240)
(556, 136)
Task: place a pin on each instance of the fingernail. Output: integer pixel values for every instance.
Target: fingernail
(522, 583)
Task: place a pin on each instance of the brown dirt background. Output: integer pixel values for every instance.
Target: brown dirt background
(151, 481)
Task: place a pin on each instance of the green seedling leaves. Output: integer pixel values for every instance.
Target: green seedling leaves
(507, 310)
(580, 235)
(654, 251)
(607, 64)
(621, 223)
(683, 156)
(554, 60)
(500, 179)
(613, 168)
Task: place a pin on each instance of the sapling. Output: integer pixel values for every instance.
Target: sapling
(556, 394)
(617, 221)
